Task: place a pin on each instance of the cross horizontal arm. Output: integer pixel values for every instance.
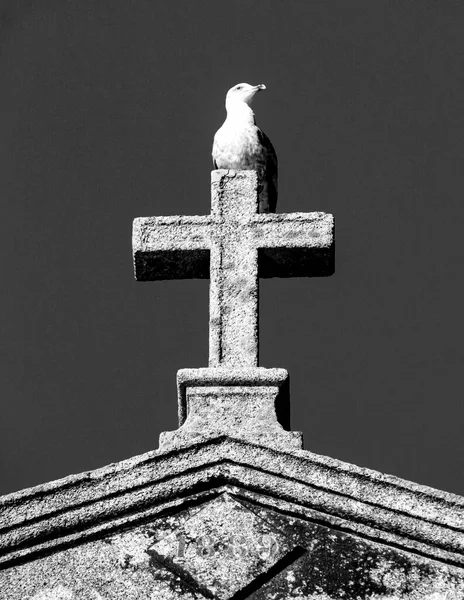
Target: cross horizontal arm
(295, 244)
(171, 247)
(287, 230)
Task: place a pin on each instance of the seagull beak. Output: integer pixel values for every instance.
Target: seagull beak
(260, 87)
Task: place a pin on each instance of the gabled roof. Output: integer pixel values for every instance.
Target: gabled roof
(369, 504)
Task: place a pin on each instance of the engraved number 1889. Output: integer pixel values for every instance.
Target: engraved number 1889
(236, 546)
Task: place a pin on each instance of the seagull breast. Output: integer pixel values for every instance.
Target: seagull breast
(240, 144)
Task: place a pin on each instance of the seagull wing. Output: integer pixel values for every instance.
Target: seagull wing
(270, 160)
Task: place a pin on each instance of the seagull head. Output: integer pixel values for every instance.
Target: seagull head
(242, 92)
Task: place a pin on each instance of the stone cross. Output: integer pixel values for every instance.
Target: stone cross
(233, 246)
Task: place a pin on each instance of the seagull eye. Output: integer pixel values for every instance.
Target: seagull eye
(239, 87)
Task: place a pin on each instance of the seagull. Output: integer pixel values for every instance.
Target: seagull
(239, 144)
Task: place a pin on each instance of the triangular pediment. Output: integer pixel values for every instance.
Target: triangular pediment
(338, 510)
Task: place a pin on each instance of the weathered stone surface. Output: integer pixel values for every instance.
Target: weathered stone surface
(230, 507)
(334, 530)
(252, 403)
(223, 548)
(247, 411)
(233, 246)
(222, 377)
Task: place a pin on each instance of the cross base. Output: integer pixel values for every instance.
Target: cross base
(246, 403)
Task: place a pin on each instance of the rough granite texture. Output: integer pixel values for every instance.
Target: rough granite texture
(233, 246)
(230, 507)
(252, 402)
(227, 519)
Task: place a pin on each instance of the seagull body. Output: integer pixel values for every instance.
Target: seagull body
(239, 144)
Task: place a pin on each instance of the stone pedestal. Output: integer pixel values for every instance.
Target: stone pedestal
(250, 404)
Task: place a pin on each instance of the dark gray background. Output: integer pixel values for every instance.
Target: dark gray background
(108, 110)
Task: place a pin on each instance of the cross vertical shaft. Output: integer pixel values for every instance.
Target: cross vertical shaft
(233, 296)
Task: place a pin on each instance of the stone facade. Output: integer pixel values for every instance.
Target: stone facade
(231, 506)
(226, 518)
